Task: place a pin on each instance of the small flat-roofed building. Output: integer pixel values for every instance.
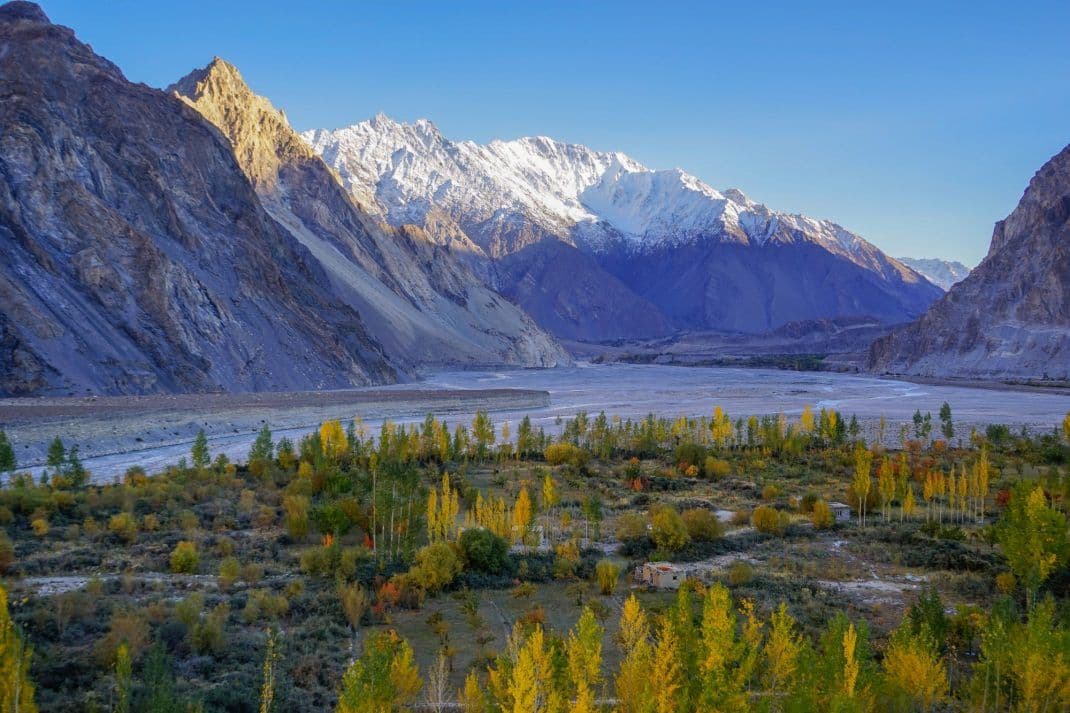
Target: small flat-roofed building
(840, 511)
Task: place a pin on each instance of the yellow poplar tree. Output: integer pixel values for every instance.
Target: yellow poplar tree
(521, 515)
(633, 678)
(850, 661)
(472, 698)
(912, 666)
(16, 688)
(886, 487)
(666, 678)
(782, 649)
(333, 439)
(584, 650)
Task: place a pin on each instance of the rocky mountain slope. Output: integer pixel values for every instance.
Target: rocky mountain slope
(942, 273)
(658, 244)
(137, 257)
(420, 303)
(1010, 317)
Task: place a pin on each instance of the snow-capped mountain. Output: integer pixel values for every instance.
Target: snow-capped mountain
(942, 273)
(509, 198)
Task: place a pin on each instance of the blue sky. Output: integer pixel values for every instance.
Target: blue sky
(915, 125)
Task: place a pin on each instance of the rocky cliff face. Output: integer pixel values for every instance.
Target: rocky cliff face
(636, 252)
(137, 256)
(1010, 318)
(420, 302)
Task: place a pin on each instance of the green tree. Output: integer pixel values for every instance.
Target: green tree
(947, 427)
(199, 453)
(160, 684)
(263, 447)
(483, 433)
(7, 454)
(484, 551)
(1033, 537)
(57, 455)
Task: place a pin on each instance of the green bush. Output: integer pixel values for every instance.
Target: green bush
(484, 551)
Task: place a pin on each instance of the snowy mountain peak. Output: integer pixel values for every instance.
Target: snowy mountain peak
(506, 195)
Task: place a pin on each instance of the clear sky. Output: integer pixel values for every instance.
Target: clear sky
(916, 125)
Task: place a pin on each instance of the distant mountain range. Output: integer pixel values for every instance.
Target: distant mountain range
(942, 273)
(1010, 317)
(597, 247)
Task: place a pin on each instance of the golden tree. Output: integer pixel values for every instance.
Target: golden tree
(333, 439)
(913, 667)
(16, 688)
(521, 516)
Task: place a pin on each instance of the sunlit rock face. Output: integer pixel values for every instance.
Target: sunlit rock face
(1010, 318)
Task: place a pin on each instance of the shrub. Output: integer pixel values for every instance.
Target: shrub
(741, 517)
(808, 500)
(668, 530)
(150, 523)
(688, 454)
(716, 468)
(436, 566)
(184, 558)
(124, 526)
(40, 527)
(229, 572)
(607, 573)
(769, 521)
(631, 526)
(561, 453)
(1005, 582)
(566, 560)
(208, 636)
(484, 551)
(296, 507)
(355, 602)
(740, 573)
(188, 521)
(770, 492)
(821, 515)
(702, 525)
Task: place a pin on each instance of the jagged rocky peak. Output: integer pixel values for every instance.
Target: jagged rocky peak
(261, 135)
(1010, 317)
